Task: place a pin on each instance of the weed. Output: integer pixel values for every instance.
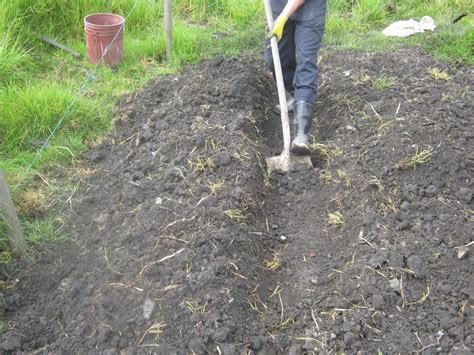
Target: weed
(215, 187)
(211, 144)
(254, 300)
(275, 263)
(246, 202)
(277, 291)
(335, 219)
(387, 206)
(199, 125)
(337, 199)
(201, 164)
(446, 97)
(345, 178)
(267, 183)
(420, 157)
(107, 255)
(85, 172)
(254, 306)
(438, 74)
(156, 329)
(462, 309)
(384, 82)
(194, 306)
(384, 127)
(361, 79)
(468, 214)
(285, 325)
(377, 183)
(6, 257)
(329, 150)
(31, 202)
(46, 229)
(241, 155)
(235, 214)
(326, 176)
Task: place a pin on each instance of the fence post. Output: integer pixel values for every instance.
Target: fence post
(168, 28)
(9, 216)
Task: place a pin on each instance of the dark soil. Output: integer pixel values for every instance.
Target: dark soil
(181, 242)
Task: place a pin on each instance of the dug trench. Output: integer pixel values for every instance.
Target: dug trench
(181, 242)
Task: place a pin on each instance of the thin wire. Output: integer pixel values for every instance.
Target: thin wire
(90, 77)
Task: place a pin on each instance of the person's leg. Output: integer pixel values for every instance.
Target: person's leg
(308, 36)
(287, 49)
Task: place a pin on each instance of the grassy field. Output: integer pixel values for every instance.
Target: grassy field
(38, 82)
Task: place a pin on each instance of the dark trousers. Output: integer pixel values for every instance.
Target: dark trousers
(299, 47)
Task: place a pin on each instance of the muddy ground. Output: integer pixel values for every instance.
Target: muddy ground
(182, 243)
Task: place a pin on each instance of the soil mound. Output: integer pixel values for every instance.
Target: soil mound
(182, 243)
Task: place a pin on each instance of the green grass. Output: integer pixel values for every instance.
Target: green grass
(15, 60)
(384, 82)
(359, 26)
(420, 157)
(37, 82)
(27, 115)
(41, 230)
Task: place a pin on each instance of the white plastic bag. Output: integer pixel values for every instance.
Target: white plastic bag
(409, 27)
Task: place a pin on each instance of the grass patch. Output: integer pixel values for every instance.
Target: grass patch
(438, 74)
(28, 114)
(335, 219)
(38, 231)
(384, 82)
(420, 157)
(31, 202)
(6, 257)
(15, 60)
(275, 263)
(215, 187)
(235, 214)
(285, 325)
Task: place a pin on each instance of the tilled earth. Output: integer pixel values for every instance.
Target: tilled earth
(181, 242)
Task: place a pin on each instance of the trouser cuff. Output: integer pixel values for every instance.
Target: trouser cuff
(305, 95)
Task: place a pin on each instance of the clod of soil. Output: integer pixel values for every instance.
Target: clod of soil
(181, 242)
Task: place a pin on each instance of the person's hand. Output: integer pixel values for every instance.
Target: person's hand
(278, 26)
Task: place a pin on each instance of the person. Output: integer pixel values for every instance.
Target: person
(299, 27)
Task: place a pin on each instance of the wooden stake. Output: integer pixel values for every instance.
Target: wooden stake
(168, 28)
(9, 216)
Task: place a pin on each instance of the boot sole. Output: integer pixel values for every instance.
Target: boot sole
(300, 150)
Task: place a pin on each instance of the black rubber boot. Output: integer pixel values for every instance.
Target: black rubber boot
(302, 120)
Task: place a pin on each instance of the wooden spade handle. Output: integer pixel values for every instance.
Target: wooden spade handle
(285, 122)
